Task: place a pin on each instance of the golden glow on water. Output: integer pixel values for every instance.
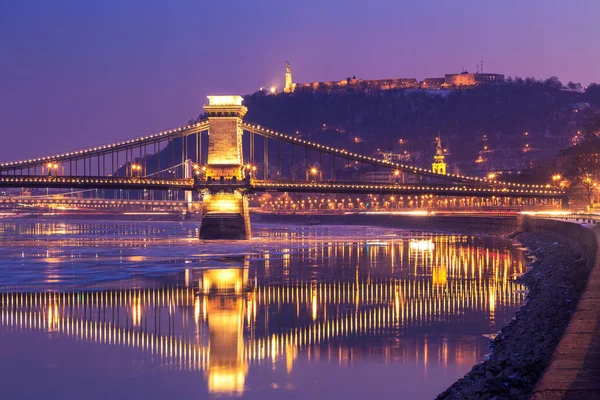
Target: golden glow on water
(439, 276)
(136, 312)
(292, 302)
(421, 245)
(224, 279)
(403, 304)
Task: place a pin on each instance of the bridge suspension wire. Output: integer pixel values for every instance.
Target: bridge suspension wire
(164, 170)
(266, 158)
(44, 196)
(114, 147)
(379, 162)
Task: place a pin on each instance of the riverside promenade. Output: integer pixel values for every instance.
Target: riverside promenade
(574, 372)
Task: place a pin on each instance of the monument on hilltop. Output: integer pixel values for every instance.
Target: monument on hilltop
(290, 86)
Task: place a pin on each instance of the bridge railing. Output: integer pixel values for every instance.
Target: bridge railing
(584, 217)
(459, 189)
(109, 147)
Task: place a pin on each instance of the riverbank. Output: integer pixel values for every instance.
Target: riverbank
(523, 349)
(527, 346)
(540, 351)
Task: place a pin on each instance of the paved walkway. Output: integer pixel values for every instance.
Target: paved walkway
(574, 372)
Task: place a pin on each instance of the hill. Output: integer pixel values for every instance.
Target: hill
(505, 127)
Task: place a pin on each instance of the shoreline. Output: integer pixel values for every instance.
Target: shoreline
(523, 349)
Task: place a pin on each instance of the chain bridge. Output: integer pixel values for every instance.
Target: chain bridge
(220, 160)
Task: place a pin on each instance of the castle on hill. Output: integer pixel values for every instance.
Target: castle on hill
(449, 81)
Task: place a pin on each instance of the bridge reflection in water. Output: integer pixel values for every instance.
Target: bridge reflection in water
(224, 321)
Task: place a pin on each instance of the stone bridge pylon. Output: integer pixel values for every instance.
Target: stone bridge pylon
(225, 211)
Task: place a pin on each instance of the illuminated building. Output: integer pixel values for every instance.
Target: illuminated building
(358, 85)
(433, 83)
(467, 79)
(439, 165)
(449, 81)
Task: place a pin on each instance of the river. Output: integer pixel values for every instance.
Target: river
(113, 309)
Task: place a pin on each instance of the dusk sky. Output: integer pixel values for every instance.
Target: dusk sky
(76, 73)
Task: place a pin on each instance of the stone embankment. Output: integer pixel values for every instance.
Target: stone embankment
(542, 352)
(523, 349)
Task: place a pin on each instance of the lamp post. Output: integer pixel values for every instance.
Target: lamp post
(52, 168)
(250, 169)
(556, 179)
(313, 173)
(135, 167)
(589, 190)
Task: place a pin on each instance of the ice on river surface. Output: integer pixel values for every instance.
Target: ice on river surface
(123, 309)
(53, 255)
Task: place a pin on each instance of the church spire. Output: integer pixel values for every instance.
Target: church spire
(439, 165)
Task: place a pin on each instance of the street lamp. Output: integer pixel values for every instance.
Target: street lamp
(397, 175)
(136, 167)
(249, 170)
(556, 177)
(52, 167)
(313, 172)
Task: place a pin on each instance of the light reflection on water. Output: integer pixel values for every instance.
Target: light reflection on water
(325, 312)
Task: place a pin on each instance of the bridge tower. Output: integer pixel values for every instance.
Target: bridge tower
(225, 210)
(439, 165)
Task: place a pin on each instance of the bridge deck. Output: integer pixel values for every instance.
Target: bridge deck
(403, 189)
(469, 190)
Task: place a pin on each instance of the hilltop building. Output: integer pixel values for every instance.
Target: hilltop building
(450, 81)
(358, 85)
(467, 79)
(433, 83)
(439, 165)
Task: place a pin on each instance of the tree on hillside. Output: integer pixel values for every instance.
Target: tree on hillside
(574, 86)
(592, 93)
(553, 82)
(592, 125)
(588, 187)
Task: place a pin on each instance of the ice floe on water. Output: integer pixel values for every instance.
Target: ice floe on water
(42, 255)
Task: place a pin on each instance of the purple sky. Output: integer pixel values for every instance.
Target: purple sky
(76, 73)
